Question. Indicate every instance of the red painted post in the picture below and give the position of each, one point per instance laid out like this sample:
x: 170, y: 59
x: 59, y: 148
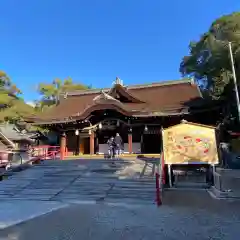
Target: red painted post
x: 130, y: 143
x: 158, y: 197
x: 91, y: 139
x: 62, y: 146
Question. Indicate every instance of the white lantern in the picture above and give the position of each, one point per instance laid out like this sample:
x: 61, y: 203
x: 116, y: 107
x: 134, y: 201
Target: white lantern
x: 146, y: 128
x: 77, y: 132
x: 100, y: 126
x: 90, y: 132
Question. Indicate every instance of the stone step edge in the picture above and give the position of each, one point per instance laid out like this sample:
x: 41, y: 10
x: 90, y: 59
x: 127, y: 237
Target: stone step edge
x: 221, y: 195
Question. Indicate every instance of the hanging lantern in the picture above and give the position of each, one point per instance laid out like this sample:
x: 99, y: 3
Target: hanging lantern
x: 146, y: 128
x: 100, y: 126
x: 77, y: 132
x: 118, y: 123
x: 90, y: 132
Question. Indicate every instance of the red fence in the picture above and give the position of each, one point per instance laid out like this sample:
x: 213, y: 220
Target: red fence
x: 45, y: 152
x: 42, y: 152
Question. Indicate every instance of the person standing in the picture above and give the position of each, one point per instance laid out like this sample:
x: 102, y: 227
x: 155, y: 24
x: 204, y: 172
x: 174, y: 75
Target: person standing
x: 118, y: 145
x: 111, y: 146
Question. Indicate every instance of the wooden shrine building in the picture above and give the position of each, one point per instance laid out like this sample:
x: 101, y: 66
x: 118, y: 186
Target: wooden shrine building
x: 85, y: 120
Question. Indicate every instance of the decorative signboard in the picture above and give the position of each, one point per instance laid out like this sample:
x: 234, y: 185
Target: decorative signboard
x: 188, y: 143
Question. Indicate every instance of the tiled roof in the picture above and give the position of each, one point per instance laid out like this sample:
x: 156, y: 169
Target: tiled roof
x: 172, y: 97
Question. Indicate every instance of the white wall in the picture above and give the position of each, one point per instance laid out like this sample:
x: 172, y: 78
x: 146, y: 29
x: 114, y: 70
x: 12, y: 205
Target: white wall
x: 136, y: 148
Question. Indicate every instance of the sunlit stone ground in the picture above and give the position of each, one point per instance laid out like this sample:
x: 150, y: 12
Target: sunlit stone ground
x: 193, y: 219
x: 183, y: 215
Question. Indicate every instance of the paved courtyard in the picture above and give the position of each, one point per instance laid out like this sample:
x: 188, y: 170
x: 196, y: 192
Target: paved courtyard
x: 126, y: 181
x: 93, y: 199
x: 101, y: 222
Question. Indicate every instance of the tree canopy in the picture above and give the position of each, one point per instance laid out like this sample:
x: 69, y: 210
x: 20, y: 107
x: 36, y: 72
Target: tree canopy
x: 12, y: 106
x: 50, y: 92
x: 209, y: 60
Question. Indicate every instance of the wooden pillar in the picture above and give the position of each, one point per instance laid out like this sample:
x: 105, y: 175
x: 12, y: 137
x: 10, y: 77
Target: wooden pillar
x: 91, y: 143
x: 63, y: 146
x: 78, y: 145
x: 82, y: 145
x: 130, y: 143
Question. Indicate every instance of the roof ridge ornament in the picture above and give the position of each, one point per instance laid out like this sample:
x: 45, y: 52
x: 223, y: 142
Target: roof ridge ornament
x: 118, y: 81
x: 105, y: 96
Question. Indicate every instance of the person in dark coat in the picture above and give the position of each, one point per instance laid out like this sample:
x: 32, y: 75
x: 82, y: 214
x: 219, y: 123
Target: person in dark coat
x: 111, y: 147
x: 118, y: 145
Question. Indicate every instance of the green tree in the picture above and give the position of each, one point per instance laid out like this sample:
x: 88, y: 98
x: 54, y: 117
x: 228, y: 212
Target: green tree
x: 8, y: 91
x: 50, y: 92
x: 208, y: 60
x: 12, y: 106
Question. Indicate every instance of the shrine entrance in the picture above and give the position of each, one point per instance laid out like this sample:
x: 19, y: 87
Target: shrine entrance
x: 91, y: 137
x: 109, y: 128
x: 151, y: 141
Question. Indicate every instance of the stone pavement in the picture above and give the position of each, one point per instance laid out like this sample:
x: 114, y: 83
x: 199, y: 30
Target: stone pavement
x: 214, y: 221
x: 82, y: 180
x: 12, y: 212
x: 55, y: 184
x: 118, y: 204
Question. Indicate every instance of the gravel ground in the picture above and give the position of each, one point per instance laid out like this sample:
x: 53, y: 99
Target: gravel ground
x: 196, y: 217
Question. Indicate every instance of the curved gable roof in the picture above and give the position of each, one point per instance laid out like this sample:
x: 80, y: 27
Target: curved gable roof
x: 118, y: 88
x: 152, y: 98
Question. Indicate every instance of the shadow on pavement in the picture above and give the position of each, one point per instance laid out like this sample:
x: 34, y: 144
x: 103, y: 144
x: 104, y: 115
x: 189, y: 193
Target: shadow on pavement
x: 198, y: 199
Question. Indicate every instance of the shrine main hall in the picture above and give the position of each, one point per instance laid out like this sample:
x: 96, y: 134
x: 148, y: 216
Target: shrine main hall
x: 85, y: 119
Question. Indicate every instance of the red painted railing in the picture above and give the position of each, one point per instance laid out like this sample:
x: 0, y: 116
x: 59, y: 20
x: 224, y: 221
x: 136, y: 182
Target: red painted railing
x: 45, y: 152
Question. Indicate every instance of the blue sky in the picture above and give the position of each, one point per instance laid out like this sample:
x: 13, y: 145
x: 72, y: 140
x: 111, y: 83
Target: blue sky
x: 93, y: 41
